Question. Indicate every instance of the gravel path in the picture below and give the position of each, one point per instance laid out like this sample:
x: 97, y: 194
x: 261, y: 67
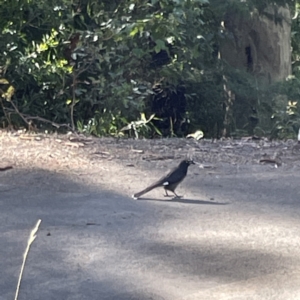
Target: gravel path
x: 234, y: 235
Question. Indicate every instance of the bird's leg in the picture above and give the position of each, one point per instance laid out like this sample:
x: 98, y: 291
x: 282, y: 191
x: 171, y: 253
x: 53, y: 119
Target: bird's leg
x: 167, y: 195
x: 176, y: 196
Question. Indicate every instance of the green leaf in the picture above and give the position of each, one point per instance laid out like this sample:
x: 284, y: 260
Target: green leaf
x: 160, y: 45
x: 134, y: 31
x: 3, y: 81
x: 143, y: 117
x: 9, y: 93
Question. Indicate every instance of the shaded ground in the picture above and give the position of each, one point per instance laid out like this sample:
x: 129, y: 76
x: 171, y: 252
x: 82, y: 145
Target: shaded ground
x: 235, y: 235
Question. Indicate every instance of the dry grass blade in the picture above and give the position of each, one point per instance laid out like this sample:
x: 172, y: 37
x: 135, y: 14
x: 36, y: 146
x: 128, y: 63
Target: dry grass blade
x: 29, y: 243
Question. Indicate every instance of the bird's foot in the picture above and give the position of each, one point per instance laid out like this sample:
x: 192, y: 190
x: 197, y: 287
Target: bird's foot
x: 168, y: 195
x: 177, y: 197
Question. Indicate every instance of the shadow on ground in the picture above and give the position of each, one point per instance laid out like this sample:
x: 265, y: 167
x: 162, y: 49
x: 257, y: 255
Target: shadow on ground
x: 184, y: 200
x: 98, y: 244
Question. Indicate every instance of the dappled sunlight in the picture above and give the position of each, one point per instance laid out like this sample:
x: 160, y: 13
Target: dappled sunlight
x: 171, y: 260
x: 229, y: 234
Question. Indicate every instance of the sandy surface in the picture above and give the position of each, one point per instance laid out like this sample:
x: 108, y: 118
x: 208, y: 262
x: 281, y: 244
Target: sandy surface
x: 234, y: 235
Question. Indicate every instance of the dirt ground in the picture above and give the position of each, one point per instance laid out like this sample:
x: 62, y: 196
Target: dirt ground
x: 234, y: 234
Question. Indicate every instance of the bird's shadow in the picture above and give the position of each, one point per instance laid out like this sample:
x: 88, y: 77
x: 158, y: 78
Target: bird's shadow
x: 185, y: 201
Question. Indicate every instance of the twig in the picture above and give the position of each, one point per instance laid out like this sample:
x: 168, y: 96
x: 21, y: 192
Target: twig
x: 18, y: 112
x: 47, y: 121
x: 28, y: 117
x: 6, y: 168
x: 29, y: 243
x: 4, y: 111
x: 73, y: 102
x: 74, y: 83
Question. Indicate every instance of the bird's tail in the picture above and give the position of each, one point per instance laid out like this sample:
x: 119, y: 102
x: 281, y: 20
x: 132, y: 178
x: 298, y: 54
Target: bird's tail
x: 146, y: 190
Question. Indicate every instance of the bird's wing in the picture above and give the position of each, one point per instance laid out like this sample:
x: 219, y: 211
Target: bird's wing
x: 174, y: 176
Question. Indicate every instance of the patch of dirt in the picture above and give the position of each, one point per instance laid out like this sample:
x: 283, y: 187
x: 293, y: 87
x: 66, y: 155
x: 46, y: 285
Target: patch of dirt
x: 107, y: 160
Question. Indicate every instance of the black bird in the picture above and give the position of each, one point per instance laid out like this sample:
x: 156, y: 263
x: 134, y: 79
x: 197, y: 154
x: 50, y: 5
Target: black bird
x: 170, y: 181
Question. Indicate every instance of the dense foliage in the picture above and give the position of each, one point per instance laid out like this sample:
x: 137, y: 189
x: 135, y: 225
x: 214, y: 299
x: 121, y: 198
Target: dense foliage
x: 142, y: 67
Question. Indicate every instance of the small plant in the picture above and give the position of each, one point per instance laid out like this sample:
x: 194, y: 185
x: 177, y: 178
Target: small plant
x: 286, y: 121
x: 142, y: 127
